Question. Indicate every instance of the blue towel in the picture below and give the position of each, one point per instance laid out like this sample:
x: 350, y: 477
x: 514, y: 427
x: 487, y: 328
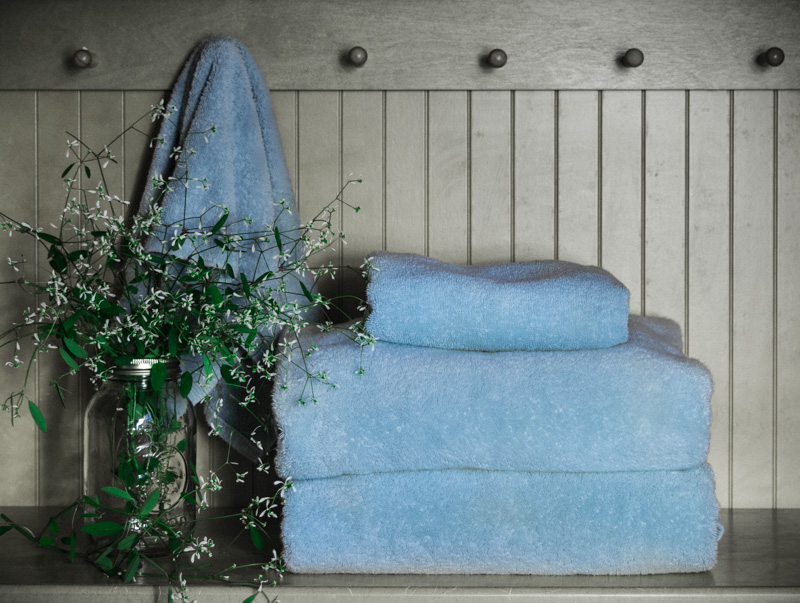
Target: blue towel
x: 491, y: 522
x: 545, y: 305
x: 641, y: 405
x: 222, y: 86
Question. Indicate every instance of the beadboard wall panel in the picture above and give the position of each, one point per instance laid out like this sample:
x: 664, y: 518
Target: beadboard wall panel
x: 18, y: 443
x: 787, y: 422
x: 709, y: 299
x: 578, y: 197
x: 405, y: 193
x: 449, y: 195
x: 690, y: 198
x: 621, y: 190
x: 753, y: 299
x: 534, y: 182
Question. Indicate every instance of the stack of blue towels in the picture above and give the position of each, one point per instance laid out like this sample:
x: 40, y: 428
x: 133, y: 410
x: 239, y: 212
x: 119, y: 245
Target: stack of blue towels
x: 511, y: 419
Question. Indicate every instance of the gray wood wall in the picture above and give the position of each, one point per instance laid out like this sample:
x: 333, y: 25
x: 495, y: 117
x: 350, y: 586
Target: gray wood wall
x: 681, y: 177
x: 691, y: 198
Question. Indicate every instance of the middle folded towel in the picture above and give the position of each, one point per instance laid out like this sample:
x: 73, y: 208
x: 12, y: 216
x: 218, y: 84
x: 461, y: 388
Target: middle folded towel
x: 641, y: 405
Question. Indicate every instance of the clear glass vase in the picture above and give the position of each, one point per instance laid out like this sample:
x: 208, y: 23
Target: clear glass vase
x: 139, y: 450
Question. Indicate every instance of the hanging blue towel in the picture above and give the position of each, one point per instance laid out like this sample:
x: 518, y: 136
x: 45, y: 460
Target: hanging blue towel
x: 222, y: 86
x: 544, y: 305
x: 641, y: 405
x: 493, y: 522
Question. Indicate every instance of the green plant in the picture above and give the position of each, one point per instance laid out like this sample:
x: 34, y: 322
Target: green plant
x: 111, y: 298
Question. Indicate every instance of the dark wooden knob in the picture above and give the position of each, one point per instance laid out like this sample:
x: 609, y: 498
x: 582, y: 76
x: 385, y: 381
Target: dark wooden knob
x: 82, y: 58
x: 773, y: 57
x: 358, y: 56
x: 497, y: 58
x: 633, y: 58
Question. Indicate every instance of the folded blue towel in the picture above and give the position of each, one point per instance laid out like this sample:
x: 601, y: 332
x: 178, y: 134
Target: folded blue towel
x: 545, y: 305
x: 491, y: 522
x: 641, y: 405
x: 222, y: 86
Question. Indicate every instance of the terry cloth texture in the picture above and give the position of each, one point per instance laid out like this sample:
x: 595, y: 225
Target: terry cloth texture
x: 222, y: 86
x: 486, y: 522
x: 543, y: 305
x: 641, y: 405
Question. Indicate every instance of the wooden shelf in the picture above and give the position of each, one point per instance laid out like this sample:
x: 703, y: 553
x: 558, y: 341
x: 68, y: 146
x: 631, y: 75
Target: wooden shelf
x: 759, y: 561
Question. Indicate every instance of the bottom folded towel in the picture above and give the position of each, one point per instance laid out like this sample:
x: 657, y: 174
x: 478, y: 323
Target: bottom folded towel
x: 490, y: 522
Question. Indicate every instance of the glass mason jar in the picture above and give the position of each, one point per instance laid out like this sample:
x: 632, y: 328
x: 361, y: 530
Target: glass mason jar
x: 139, y: 444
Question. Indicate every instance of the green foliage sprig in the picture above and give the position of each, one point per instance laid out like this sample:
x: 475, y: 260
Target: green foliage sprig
x: 110, y: 297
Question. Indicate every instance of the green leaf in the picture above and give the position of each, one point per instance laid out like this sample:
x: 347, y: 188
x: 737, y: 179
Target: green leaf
x: 102, y: 528
x: 57, y: 259
x: 46, y: 541
x: 220, y: 223
x: 123, y: 360
x: 229, y: 270
x: 77, y: 254
x: 37, y: 415
x: 172, y: 340
x: 258, y: 540
x: 251, y: 598
x: 4, y: 529
x: 48, y: 238
x: 186, y: 384
x: 133, y: 565
x: 88, y: 171
x: 227, y: 375
x: 69, y: 323
x: 67, y: 169
x: 278, y: 239
x: 158, y: 376
x: 52, y: 526
x: 75, y: 349
x: 207, y: 366
x: 181, y: 446
x: 215, y: 294
x: 68, y: 359
x: 127, y: 542
x: 150, y: 503
x: 306, y: 292
x: 92, y: 502
x: 119, y: 493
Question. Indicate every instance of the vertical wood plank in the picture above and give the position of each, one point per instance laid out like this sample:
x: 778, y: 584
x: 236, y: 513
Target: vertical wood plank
x: 753, y: 299
x: 534, y: 175
x: 284, y: 102
x: 406, y: 180
x: 788, y: 331
x: 18, y: 443
x: 319, y: 168
x: 665, y: 206
x: 362, y: 156
x: 577, y: 176
x: 60, y: 454
x: 490, y: 177
x: 137, y: 150
x: 709, y: 264
x: 621, y: 236
x: 448, y: 211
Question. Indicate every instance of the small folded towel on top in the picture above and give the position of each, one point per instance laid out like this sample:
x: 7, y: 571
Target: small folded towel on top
x: 487, y: 522
x: 543, y: 305
x: 641, y: 405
